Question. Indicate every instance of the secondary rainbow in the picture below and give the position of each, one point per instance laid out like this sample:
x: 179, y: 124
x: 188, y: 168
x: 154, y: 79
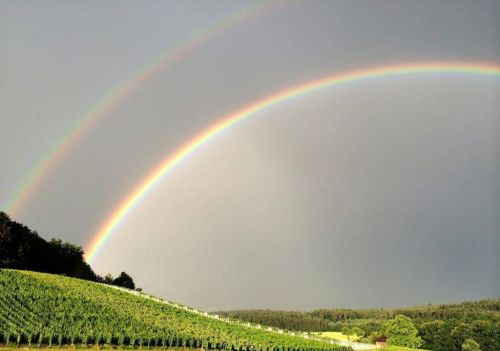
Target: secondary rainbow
x: 50, y: 159
x: 118, y: 215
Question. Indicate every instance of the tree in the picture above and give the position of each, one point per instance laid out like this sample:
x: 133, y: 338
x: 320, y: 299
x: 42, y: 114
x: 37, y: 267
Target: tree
x: 108, y: 279
x: 6, y: 239
x: 460, y: 333
x: 429, y: 332
x: 357, y: 332
x: 485, y: 334
x: 436, y: 335
x: 401, y: 331
x: 347, y: 332
x: 124, y: 280
x: 23, y: 248
x: 470, y: 345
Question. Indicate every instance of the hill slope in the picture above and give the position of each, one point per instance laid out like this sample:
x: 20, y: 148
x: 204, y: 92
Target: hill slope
x: 48, y: 309
x: 23, y: 248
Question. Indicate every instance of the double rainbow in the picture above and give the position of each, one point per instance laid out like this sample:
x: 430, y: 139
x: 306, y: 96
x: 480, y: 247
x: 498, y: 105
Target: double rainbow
x: 167, y: 165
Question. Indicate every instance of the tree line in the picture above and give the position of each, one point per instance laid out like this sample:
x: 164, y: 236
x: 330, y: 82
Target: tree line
x: 439, y: 326
x: 23, y: 248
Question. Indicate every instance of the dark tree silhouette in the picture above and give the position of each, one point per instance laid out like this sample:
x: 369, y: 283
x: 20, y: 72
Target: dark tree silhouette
x: 23, y: 248
x: 124, y: 280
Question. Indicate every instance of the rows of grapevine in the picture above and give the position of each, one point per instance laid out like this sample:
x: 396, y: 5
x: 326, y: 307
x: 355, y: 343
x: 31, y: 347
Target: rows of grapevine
x: 51, y: 310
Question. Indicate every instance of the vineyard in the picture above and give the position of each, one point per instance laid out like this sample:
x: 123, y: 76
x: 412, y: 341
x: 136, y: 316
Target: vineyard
x: 38, y: 309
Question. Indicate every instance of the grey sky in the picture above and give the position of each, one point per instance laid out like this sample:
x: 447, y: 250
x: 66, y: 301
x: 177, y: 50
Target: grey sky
x: 379, y: 193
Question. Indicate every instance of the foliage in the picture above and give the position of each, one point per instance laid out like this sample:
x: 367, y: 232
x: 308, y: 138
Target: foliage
x: 353, y: 334
x: 22, y: 248
x: 479, y: 320
x: 370, y: 320
x: 470, y: 345
x: 124, y: 280
x: 108, y: 279
x: 372, y: 337
x: 358, y: 332
x: 436, y: 335
x: 46, y: 309
x: 485, y: 333
x: 347, y: 332
x: 401, y: 331
x: 290, y: 320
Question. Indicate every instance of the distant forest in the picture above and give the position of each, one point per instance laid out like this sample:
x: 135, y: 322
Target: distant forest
x: 441, y: 327
x: 336, y: 318
x: 23, y: 248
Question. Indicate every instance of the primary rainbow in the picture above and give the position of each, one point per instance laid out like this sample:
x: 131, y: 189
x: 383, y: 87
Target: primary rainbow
x: 118, y: 215
x: 47, y: 162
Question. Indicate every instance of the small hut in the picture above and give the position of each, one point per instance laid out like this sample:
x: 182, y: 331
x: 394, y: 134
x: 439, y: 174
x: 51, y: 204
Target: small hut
x: 381, y: 341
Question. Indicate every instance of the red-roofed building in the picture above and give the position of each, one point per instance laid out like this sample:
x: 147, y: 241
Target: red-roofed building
x: 381, y: 341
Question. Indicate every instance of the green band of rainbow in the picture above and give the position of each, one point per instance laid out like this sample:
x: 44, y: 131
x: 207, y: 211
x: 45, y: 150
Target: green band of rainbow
x: 119, y: 94
x: 118, y: 215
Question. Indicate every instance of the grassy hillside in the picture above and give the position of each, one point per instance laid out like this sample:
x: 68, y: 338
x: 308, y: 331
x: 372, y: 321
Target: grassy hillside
x: 334, y: 336
x: 398, y: 348
x: 46, y: 309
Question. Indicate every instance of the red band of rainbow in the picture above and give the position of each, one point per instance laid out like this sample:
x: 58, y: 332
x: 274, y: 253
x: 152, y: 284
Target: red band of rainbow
x: 107, y: 228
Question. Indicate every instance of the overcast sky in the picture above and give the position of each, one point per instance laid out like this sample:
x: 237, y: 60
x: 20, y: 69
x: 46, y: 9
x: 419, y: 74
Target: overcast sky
x: 377, y: 193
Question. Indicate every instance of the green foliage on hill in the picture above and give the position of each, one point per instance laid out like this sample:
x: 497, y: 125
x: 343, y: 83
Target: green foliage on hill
x: 46, y: 309
x: 370, y: 319
x: 290, y: 320
x: 470, y: 345
x: 401, y: 331
x: 441, y: 327
x: 23, y: 248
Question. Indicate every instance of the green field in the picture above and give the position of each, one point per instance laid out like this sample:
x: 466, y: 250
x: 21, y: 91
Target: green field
x: 399, y: 348
x: 99, y: 348
x: 92, y: 348
x: 40, y: 309
x: 104, y: 348
x: 334, y: 336
x: 342, y: 337
x: 88, y: 348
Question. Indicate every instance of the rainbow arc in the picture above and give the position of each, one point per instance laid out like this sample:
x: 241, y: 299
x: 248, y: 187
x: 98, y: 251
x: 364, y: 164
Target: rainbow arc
x: 108, y: 227
x: 121, y: 93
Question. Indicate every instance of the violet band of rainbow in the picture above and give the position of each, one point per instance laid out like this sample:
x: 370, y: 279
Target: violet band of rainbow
x: 42, y: 168
x: 108, y: 227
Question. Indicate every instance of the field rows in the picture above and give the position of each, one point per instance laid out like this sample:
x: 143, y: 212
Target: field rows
x: 44, y: 309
